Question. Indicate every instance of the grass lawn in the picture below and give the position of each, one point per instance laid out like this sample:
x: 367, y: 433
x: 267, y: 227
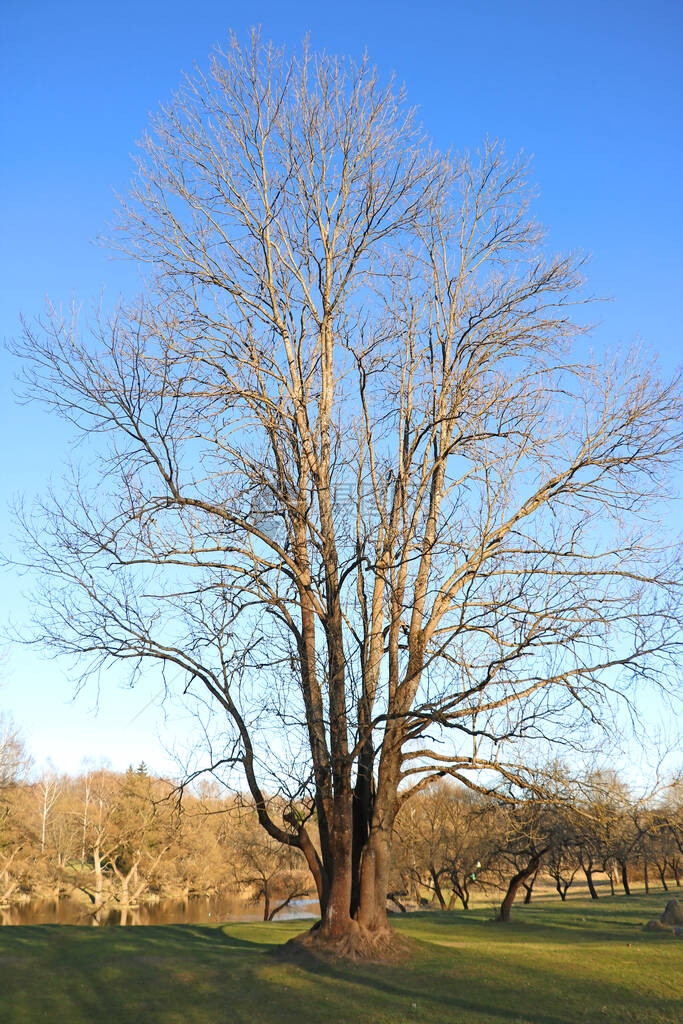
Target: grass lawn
x: 554, y: 964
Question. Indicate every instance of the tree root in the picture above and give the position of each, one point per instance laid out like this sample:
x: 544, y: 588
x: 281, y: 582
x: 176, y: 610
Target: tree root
x: 356, y: 944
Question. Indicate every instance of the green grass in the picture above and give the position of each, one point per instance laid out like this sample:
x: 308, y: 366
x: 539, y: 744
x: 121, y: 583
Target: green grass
x: 554, y: 964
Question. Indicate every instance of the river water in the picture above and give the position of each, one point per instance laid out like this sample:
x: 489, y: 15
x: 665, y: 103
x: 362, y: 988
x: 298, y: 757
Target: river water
x: 207, y: 910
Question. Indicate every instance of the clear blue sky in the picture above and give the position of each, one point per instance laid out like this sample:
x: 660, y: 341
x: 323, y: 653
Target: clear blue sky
x: 594, y: 91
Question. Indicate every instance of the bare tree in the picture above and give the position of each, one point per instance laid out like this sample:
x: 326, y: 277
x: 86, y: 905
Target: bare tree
x: 47, y: 792
x: 672, y: 817
x: 14, y: 759
x: 443, y: 843
x: 354, y: 486
x: 269, y: 870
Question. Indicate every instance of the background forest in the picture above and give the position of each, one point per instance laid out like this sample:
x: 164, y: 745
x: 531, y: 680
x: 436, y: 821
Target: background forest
x: 117, y: 841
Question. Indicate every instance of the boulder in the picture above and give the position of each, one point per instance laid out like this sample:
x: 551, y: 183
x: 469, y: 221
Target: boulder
x: 673, y: 913
x: 657, y: 926
x: 679, y: 931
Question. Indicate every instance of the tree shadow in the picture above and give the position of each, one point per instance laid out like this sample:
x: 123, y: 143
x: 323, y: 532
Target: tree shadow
x: 196, y: 974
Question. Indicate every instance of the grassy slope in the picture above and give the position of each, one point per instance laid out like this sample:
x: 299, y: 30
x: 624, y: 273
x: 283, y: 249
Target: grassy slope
x: 554, y: 964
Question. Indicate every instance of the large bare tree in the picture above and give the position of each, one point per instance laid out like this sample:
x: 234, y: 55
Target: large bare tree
x: 345, y: 476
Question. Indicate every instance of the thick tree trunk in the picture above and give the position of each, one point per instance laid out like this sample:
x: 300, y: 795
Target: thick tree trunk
x: 515, y: 882
x: 354, y: 921
x: 362, y: 814
x: 336, y: 919
x: 366, y: 932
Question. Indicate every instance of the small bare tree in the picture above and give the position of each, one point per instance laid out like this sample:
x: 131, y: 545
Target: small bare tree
x: 266, y: 869
x: 354, y: 486
x: 14, y: 759
x: 47, y: 791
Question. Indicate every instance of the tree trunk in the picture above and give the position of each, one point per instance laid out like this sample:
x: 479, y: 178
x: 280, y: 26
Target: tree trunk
x: 285, y: 903
x: 336, y: 919
x: 662, y: 875
x: 99, y: 886
x: 394, y: 897
x: 646, y: 879
x: 624, y: 877
x: 362, y: 815
x: 529, y: 888
x: 609, y: 870
x: 515, y: 882
x: 354, y: 921
x: 368, y: 932
x: 588, y: 872
x: 315, y: 866
x: 437, y: 888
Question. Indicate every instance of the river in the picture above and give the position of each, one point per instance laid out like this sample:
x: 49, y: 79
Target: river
x: 207, y: 910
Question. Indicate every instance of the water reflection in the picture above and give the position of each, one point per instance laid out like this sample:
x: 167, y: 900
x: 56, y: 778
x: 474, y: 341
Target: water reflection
x: 207, y: 910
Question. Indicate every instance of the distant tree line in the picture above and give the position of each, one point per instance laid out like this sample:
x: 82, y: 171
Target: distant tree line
x: 116, y: 840
x: 452, y: 841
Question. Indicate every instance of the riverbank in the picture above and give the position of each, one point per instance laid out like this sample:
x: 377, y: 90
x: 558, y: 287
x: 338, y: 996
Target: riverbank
x: 554, y: 964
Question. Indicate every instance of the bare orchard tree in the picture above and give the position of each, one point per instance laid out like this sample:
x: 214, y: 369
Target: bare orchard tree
x: 353, y: 486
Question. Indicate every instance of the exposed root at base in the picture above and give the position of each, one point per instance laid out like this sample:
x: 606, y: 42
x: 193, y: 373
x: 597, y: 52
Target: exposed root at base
x: 357, y: 945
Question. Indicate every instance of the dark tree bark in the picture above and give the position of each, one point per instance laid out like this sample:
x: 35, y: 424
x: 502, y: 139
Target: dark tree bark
x: 285, y: 903
x: 562, y: 888
x: 624, y: 876
x: 461, y: 891
x: 588, y: 872
x: 515, y: 882
x: 608, y: 868
x: 529, y: 887
x: 436, y: 883
x: 394, y: 898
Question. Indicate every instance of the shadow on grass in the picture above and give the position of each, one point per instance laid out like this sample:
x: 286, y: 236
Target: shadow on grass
x: 500, y: 982
x: 467, y: 971
x: 608, y: 920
